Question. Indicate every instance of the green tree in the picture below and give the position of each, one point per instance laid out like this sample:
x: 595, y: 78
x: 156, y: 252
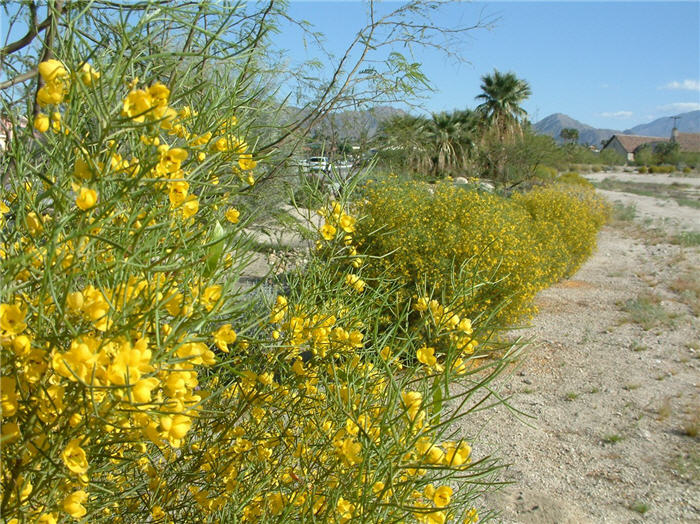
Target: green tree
x: 569, y: 134
x: 502, y: 96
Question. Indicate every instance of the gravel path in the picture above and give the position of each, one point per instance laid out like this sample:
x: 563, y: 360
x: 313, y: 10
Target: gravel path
x: 612, y: 379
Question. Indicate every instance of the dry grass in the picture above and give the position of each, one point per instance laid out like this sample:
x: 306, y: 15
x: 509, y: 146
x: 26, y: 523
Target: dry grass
x: 687, y: 288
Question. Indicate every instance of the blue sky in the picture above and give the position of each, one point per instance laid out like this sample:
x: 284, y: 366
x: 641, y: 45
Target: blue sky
x: 607, y: 64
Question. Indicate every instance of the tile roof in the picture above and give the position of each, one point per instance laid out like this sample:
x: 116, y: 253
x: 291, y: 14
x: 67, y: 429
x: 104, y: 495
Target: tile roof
x: 689, y: 142
x: 632, y: 142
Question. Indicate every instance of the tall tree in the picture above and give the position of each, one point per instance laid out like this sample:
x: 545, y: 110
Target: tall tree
x: 569, y: 134
x: 502, y: 96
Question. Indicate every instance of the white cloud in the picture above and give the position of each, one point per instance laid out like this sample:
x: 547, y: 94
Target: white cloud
x: 686, y: 85
x: 618, y: 114
x: 680, y: 107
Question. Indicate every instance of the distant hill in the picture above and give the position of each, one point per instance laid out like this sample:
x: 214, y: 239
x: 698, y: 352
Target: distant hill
x: 687, y: 123
x: 356, y: 124
x: 553, y: 124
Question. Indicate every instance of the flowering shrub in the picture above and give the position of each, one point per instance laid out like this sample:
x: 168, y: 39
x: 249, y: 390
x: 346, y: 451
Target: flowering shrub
x: 573, y: 178
x: 139, y: 383
x: 506, y: 249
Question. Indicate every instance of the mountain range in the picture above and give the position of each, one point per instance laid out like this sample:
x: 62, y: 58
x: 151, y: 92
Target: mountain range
x: 661, y: 127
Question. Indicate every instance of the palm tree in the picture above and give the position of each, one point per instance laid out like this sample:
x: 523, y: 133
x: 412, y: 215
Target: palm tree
x: 502, y: 95
x: 450, y: 136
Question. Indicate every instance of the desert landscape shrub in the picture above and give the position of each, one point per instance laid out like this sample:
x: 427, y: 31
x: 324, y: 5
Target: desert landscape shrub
x: 505, y: 249
x: 665, y: 169
x: 544, y: 173
x: 575, y: 179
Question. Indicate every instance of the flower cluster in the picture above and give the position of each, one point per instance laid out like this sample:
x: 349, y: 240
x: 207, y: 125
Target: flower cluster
x: 505, y: 250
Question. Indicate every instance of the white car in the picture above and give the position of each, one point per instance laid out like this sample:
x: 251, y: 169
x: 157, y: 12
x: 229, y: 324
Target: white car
x: 318, y: 163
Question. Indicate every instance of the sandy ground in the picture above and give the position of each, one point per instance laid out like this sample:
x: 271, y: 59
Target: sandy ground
x: 612, y: 379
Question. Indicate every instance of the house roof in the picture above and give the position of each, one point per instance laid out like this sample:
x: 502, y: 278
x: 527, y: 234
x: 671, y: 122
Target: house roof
x: 689, y: 142
x: 632, y: 142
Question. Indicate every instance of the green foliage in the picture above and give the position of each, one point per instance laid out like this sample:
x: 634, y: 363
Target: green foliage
x: 544, y: 173
x: 659, y: 169
x: 569, y: 134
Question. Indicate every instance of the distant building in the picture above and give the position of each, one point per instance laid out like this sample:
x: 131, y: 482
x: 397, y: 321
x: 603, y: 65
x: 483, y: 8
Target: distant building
x: 627, y: 145
x: 6, y: 128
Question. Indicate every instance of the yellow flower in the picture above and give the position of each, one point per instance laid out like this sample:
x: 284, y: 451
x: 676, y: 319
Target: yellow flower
x: 87, y: 198
x: 75, y: 301
x: 421, y: 304
x: 52, y: 70
x: 246, y: 162
x: 442, y: 496
x: 224, y: 336
x: 174, y: 428
x: 472, y: 517
x: 211, y: 295
x: 426, y: 355
x: 190, y: 206
x: 232, y: 215
x: 12, y: 319
x: 74, y: 457
x: 141, y: 391
x: 347, y: 223
x: 41, y: 123
x: 137, y: 104
x: 344, y: 510
x: 328, y: 231
x: 355, y: 282
x: 50, y: 94
x: 8, y: 396
x: 171, y: 158
x: 10, y: 432
x: 88, y: 75
x: 73, y: 504
x: 457, y: 455
x: 47, y: 518
x: 412, y: 401
x: 34, y: 223
x: 177, y: 192
x: 430, y: 452
x: 349, y: 450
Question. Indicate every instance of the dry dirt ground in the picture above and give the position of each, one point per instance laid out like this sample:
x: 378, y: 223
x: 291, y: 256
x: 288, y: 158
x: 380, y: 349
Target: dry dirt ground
x: 611, y: 379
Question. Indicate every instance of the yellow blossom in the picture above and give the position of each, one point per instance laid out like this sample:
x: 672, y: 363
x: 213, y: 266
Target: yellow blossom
x: 190, y: 206
x: 347, y: 223
x: 41, y: 123
x: 12, y: 319
x: 74, y: 457
x: 246, y: 162
x: 232, y: 215
x: 73, y: 504
x: 224, y: 336
x: 88, y: 75
x: 328, y: 231
x: 86, y: 199
x: 442, y: 496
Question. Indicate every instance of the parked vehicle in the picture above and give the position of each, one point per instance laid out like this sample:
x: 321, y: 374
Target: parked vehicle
x: 318, y: 163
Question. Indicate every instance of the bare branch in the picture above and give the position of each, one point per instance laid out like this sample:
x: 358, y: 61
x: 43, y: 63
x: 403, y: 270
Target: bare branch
x: 18, y: 79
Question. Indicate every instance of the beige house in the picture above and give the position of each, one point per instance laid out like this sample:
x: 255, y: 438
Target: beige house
x: 627, y: 145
